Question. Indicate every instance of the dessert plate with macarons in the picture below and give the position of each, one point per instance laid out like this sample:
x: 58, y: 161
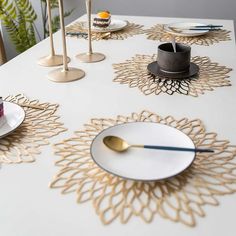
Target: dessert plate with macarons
x: 11, y: 117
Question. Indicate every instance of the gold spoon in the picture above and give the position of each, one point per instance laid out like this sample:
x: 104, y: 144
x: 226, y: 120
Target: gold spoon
x: 104, y: 35
x: 176, y: 30
x: 119, y: 145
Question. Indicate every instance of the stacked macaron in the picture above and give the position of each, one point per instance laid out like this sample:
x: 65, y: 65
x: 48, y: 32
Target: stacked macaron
x: 102, y: 19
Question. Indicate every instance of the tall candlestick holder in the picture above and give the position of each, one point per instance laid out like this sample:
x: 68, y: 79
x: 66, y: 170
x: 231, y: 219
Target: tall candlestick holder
x: 65, y: 74
x: 52, y: 59
x: 90, y: 56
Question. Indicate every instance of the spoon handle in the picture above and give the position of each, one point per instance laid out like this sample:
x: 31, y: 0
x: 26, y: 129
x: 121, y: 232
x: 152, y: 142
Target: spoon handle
x: 182, y: 149
x: 173, y: 43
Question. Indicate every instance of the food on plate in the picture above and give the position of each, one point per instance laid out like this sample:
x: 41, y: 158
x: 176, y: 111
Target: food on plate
x: 102, y: 19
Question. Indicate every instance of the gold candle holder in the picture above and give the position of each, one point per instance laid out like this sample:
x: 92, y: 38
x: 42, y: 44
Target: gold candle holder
x: 65, y: 74
x: 52, y: 59
x: 90, y: 56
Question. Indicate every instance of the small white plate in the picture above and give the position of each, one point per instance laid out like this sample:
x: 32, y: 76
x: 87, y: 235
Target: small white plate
x: 184, y: 26
x: 143, y: 164
x: 115, y: 25
x: 13, y: 118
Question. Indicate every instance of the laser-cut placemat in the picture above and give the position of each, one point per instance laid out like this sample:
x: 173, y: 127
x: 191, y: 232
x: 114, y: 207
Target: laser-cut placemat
x: 158, y: 33
x: 39, y: 125
x: 134, y: 73
x: 132, y: 29
x: 179, y: 199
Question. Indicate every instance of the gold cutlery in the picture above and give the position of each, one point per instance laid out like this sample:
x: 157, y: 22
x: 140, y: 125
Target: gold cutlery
x: 106, y: 35
x: 103, y: 36
x: 176, y: 30
x: 119, y: 145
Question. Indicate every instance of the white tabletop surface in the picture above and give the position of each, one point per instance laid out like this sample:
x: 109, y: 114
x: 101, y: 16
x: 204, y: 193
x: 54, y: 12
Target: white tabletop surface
x: 29, y: 208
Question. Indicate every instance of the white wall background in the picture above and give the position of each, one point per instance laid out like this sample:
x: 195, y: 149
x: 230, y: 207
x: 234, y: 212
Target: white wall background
x: 173, y: 8
x: 217, y: 9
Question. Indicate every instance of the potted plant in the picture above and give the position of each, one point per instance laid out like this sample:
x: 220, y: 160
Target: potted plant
x: 19, y: 17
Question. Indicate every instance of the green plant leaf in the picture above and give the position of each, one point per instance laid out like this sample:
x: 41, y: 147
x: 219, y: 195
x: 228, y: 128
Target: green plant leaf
x: 7, y: 9
x: 53, y: 3
x: 18, y: 17
x: 27, y: 10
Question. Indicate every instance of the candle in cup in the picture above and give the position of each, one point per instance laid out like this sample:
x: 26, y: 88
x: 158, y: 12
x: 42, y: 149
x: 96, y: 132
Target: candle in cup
x: 174, y: 62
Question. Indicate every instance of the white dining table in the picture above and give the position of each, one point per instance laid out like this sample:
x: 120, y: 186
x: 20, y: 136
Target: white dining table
x: 28, y: 207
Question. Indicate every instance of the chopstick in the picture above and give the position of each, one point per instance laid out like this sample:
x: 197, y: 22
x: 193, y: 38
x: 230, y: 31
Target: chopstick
x: 210, y: 29
x: 77, y: 33
x: 208, y: 26
x: 179, y: 30
x: 199, y: 26
x: 85, y: 35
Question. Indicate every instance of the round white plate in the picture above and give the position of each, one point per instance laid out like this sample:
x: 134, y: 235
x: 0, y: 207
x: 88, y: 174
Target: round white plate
x: 143, y: 164
x: 115, y: 25
x: 184, y: 26
x: 13, y: 118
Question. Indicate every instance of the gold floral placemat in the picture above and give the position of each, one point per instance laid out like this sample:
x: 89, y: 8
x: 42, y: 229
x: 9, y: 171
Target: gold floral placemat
x: 129, y: 31
x: 39, y: 125
x: 158, y: 33
x: 179, y: 199
x: 134, y: 73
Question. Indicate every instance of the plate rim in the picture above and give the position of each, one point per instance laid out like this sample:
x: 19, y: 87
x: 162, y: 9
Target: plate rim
x: 8, y: 133
x: 133, y: 179
x: 184, y: 34
x: 105, y: 30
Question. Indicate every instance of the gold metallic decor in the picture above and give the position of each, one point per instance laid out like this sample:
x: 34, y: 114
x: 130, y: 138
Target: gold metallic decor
x: 132, y: 29
x: 158, y: 33
x: 64, y: 74
x: 179, y: 199
x: 134, y: 73
x: 52, y: 59
x: 39, y: 125
x: 90, y: 56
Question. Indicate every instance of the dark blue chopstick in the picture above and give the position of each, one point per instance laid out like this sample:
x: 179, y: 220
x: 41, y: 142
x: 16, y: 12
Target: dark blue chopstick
x: 208, y: 26
x: 210, y: 29
x: 77, y: 34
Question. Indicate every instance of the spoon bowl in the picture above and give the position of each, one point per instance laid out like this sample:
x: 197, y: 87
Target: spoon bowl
x: 115, y: 143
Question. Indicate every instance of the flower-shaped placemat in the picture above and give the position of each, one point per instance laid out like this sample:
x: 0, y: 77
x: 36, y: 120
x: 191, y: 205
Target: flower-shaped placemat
x: 180, y: 199
x: 39, y: 125
x: 129, y: 31
x: 158, y: 33
x: 134, y: 73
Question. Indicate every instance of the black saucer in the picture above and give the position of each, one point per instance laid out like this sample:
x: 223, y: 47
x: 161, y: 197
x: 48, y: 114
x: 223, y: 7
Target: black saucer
x: 154, y: 69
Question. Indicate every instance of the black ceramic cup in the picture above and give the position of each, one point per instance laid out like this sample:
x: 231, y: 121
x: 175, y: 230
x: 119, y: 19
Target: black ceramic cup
x: 174, y: 62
